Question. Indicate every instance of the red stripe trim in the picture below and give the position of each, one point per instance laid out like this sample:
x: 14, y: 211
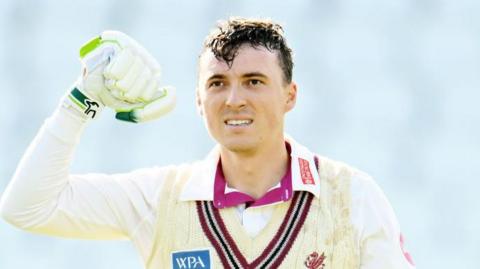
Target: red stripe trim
x: 279, y: 233
x: 288, y: 232
x: 287, y: 240
x: 233, y: 247
x: 281, y: 256
x: 227, y: 250
x: 288, y: 236
x: 210, y: 236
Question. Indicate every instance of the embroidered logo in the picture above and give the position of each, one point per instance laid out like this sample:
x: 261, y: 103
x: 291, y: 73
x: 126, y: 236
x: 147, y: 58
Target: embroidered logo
x: 314, y: 261
x: 307, y: 177
x: 191, y: 259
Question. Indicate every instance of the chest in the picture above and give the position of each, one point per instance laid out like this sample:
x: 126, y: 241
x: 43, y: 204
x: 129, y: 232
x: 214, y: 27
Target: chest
x: 297, y: 234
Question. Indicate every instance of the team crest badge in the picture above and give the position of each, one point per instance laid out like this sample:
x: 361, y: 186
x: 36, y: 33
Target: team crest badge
x: 191, y: 259
x: 315, y: 261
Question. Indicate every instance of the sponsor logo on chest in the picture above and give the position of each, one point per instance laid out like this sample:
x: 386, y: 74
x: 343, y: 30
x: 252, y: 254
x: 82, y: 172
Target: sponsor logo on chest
x: 191, y: 259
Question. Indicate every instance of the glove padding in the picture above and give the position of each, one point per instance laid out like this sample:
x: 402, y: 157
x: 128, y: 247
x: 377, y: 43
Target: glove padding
x: 120, y: 74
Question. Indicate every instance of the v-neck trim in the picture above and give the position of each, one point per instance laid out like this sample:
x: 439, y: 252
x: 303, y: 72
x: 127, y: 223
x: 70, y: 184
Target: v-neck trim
x: 240, y: 235
x: 276, y: 249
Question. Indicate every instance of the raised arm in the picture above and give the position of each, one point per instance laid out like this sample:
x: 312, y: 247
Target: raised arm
x: 44, y: 197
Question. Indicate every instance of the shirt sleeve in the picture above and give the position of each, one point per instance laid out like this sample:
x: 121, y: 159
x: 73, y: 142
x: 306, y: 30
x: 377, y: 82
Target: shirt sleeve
x: 379, y: 236
x: 43, y: 196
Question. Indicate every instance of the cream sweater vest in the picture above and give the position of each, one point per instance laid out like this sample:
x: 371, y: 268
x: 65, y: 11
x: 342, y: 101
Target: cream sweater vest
x: 324, y: 240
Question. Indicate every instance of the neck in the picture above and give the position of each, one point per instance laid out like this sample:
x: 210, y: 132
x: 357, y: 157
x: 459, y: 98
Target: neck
x: 254, y: 173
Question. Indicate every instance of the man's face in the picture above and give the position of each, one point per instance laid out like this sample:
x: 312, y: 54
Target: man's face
x: 244, y: 105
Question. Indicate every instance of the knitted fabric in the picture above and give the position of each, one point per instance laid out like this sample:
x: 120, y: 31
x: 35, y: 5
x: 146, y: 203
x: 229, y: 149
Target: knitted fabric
x: 323, y: 237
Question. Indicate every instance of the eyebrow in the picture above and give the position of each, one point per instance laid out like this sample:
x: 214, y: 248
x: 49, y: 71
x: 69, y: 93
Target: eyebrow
x: 216, y: 76
x: 247, y: 75
x: 255, y: 74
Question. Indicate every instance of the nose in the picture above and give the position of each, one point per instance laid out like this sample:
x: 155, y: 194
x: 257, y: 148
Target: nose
x: 235, y: 98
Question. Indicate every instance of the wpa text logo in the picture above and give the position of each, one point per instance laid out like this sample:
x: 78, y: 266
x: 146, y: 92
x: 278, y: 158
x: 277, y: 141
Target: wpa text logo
x: 192, y: 259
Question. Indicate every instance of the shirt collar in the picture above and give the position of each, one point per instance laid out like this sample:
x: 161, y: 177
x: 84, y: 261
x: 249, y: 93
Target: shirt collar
x: 227, y: 197
x: 304, y: 176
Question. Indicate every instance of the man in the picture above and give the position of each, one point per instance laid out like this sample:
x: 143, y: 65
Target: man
x: 258, y: 200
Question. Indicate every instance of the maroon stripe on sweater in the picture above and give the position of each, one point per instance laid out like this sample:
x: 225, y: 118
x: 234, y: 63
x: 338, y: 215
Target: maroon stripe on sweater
x: 228, y: 238
x: 281, y: 256
x: 282, y: 242
x: 220, y: 235
x: 282, y: 250
x: 210, y: 236
x: 277, y: 235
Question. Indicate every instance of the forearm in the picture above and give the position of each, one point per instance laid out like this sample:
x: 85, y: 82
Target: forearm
x: 43, y: 171
x: 43, y: 197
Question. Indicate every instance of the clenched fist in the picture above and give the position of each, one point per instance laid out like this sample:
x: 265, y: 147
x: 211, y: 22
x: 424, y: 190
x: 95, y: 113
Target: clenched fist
x: 119, y: 73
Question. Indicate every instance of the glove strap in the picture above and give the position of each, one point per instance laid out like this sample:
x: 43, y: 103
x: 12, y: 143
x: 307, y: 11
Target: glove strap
x: 88, y: 106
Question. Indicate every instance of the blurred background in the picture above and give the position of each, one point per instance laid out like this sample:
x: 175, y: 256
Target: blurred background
x: 391, y: 87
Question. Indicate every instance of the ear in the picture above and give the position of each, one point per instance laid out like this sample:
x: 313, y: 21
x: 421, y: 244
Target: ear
x: 198, y: 102
x: 291, y: 96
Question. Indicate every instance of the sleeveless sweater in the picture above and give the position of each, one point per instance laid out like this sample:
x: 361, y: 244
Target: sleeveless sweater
x: 304, y: 232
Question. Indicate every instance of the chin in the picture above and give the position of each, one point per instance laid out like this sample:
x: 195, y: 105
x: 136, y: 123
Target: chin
x: 240, y: 146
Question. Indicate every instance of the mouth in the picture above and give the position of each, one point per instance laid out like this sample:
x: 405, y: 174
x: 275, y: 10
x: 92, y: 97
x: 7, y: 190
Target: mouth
x: 236, y: 123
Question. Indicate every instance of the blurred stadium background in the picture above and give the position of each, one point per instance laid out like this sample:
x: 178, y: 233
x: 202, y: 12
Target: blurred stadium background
x: 391, y: 87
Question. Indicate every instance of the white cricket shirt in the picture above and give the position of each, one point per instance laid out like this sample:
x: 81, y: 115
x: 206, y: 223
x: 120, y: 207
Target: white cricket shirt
x: 43, y: 197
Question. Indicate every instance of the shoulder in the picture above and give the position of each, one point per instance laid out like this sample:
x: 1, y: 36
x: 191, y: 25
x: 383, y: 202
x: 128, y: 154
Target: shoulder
x: 358, y: 188
x: 375, y: 225
x: 334, y: 170
x: 363, y: 189
x: 370, y: 209
x: 150, y: 181
x: 190, y: 176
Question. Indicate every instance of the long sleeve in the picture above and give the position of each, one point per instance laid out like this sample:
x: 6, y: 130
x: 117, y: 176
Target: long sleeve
x: 43, y: 196
x: 380, y: 238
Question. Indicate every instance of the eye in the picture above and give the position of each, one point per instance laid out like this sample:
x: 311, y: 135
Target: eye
x: 255, y: 82
x: 216, y: 84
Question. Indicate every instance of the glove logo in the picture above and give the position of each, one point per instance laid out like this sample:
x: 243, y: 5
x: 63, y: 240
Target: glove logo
x: 91, y: 107
x: 87, y: 105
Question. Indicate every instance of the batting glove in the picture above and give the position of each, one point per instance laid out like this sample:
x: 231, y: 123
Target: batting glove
x: 119, y: 73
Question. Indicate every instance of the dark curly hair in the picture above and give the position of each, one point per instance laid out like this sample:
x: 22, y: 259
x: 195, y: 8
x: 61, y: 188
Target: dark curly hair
x: 225, y: 40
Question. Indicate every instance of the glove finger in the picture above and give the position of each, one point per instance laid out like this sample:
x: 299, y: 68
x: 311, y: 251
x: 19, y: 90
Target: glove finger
x: 111, y: 85
x: 153, y: 110
x: 119, y: 65
x: 126, y: 83
x: 117, y: 104
x: 94, y: 82
x: 150, y: 90
x: 139, y: 86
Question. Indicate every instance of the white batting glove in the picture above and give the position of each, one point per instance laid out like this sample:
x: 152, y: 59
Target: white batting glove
x: 119, y: 73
